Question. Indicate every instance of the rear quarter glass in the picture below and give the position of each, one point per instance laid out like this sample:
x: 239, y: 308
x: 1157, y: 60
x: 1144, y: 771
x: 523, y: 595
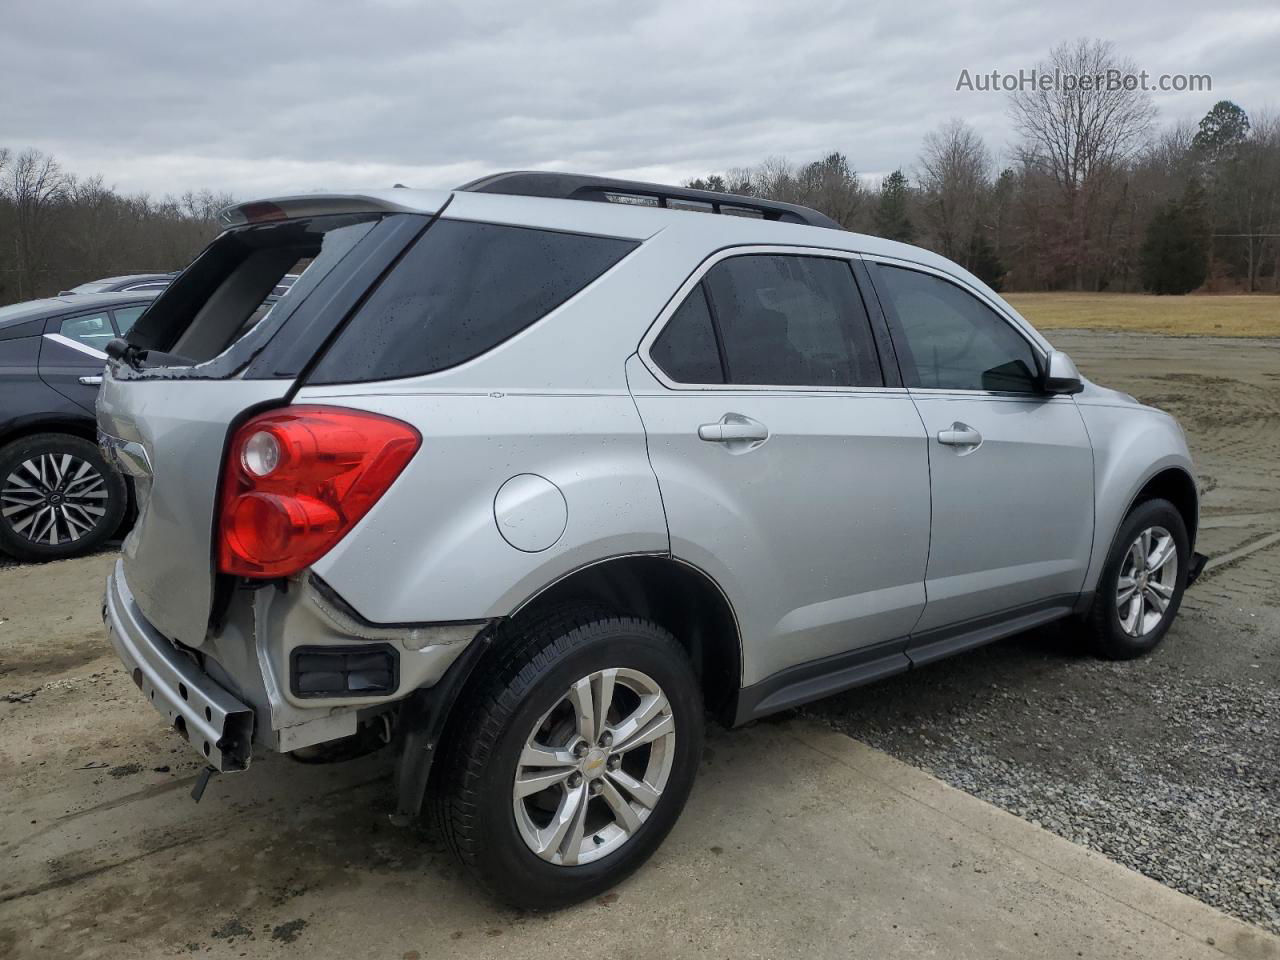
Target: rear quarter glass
x: 461, y: 290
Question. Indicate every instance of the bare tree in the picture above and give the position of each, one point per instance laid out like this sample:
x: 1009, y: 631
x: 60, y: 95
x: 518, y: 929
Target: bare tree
x: 1249, y: 192
x: 1081, y: 131
x: 955, y: 173
x: 57, y: 230
x: 830, y: 185
x: 33, y: 183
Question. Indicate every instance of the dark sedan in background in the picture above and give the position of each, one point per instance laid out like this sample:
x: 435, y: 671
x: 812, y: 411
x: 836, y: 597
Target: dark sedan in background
x: 58, y: 496
x: 129, y: 283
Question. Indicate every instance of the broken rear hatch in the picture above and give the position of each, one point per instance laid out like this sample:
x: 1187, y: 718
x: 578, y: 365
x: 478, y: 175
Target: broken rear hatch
x: 211, y: 351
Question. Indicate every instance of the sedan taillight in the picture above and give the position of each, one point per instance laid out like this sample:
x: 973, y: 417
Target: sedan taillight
x: 297, y: 480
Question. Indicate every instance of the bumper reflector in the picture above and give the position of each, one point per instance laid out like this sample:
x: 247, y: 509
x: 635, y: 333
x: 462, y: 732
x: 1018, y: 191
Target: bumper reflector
x: 366, y: 670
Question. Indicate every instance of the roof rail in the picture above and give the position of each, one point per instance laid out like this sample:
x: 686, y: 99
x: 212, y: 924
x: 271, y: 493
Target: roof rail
x: 575, y: 186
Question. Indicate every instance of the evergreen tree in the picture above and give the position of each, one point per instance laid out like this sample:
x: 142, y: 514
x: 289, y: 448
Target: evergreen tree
x: 713, y: 182
x: 1222, y: 129
x: 1175, y: 253
x: 892, y: 220
x: 985, y: 263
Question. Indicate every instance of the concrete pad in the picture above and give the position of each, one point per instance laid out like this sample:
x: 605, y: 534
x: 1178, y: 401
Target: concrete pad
x: 797, y: 842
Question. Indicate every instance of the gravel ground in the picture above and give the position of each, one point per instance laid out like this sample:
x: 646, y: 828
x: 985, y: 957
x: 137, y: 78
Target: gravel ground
x: 1170, y: 764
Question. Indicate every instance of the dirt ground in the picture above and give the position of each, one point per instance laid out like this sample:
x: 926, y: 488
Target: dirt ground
x: 1170, y: 764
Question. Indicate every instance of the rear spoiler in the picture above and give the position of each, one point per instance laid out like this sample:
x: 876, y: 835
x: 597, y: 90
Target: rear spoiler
x: 325, y: 204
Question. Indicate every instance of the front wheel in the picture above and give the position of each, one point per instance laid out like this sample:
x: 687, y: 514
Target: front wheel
x: 571, y: 761
x: 1141, y: 586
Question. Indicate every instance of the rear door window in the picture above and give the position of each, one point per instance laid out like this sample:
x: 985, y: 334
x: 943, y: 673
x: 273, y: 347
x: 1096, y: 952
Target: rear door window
x: 775, y: 320
x: 91, y: 330
x: 460, y: 291
x: 686, y: 350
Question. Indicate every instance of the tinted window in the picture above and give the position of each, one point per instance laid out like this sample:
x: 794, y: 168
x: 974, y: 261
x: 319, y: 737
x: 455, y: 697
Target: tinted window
x: 125, y: 317
x: 461, y: 290
x: 93, y: 330
x: 954, y: 341
x: 792, y: 321
x: 686, y: 349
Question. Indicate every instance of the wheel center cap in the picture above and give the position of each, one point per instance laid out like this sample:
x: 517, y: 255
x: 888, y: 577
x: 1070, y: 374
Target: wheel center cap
x: 593, y: 764
x: 55, y: 498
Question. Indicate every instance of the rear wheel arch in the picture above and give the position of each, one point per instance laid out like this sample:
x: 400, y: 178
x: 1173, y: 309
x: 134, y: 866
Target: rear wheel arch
x: 677, y: 596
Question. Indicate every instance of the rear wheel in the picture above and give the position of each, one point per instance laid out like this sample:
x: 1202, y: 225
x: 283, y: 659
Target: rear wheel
x: 571, y: 761
x: 58, y: 497
x: 1141, y: 586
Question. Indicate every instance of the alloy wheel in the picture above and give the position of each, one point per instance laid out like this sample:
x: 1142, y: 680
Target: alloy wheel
x: 1147, y: 581
x: 54, y: 498
x: 594, y: 767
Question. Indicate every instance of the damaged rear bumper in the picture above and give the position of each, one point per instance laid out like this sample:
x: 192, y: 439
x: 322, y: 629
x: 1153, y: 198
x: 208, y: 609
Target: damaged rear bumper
x: 212, y: 720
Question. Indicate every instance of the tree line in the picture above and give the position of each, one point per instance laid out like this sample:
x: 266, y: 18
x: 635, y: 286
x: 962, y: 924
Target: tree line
x: 1093, y: 197
x: 58, y: 230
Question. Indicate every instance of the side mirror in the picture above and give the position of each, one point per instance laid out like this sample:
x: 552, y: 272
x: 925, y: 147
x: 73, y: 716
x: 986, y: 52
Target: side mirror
x: 1061, y: 375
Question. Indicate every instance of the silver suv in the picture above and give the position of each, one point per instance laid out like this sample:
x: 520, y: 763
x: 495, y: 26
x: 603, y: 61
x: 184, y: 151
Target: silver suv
x: 523, y: 483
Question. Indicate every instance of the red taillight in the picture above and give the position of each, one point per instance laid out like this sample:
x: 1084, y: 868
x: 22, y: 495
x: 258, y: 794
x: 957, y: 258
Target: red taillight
x: 297, y: 480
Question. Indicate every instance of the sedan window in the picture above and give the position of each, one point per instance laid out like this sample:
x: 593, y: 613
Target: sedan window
x: 93, y: 330
x: 125, y: 317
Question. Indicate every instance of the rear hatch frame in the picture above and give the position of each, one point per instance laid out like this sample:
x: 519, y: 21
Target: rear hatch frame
x: 182, y: 413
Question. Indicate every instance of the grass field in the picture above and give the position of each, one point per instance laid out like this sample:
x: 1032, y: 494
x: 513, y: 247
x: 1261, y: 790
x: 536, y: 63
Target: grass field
x: 1193, y: 316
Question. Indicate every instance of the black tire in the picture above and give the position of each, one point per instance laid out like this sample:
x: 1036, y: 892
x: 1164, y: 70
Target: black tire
x: 18, y: 542
x: 1108, y: 637
x: 534, y: 666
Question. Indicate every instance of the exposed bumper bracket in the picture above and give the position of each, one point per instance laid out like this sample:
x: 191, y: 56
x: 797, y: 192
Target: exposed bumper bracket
x: 210, y: 718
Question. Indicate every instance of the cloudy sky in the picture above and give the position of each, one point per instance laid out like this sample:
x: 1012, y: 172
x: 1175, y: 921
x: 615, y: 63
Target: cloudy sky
x: 268, y: 96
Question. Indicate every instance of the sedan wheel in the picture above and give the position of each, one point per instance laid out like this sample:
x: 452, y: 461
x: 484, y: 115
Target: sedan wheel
x: 54, y: 498
x: 58, y: 497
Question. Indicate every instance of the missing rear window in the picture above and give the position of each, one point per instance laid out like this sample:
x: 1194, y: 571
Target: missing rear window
x: 236, y: 285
